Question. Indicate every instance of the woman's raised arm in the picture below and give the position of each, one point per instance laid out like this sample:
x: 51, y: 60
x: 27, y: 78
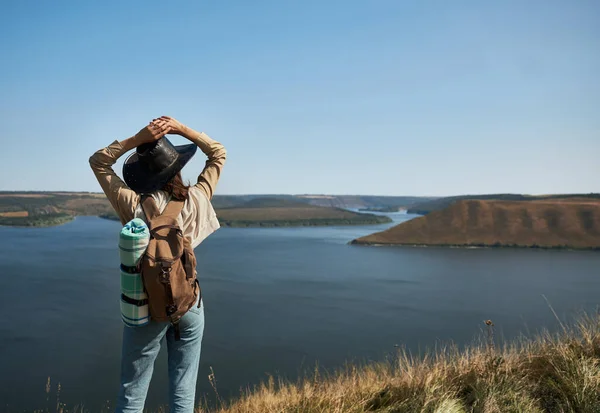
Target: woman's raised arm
x: 121, y: 197
x: 216, y: 153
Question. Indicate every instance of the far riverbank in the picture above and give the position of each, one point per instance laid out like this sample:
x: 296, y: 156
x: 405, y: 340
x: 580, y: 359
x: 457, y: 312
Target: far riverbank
x: 360, y: 219
x: 39, y: 221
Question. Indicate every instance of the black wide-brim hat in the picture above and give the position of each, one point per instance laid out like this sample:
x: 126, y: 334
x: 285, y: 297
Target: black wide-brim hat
x: 154, y: 164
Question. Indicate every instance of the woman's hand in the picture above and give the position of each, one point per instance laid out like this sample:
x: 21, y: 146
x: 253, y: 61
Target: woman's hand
x: 173, y: 125
x: 153, y: 132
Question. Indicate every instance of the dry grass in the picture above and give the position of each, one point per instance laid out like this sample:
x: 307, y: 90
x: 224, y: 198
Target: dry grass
x: 13, y: 214
x: 550, y: 373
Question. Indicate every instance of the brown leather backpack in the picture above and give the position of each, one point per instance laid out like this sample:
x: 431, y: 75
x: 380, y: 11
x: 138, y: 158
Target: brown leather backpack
x: 169, y: 265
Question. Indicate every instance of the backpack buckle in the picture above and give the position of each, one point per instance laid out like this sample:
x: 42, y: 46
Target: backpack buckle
x: 171, y: 309
x: 165, y: 273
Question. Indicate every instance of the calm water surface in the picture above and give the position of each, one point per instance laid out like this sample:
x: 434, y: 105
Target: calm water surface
x: 277, y: 300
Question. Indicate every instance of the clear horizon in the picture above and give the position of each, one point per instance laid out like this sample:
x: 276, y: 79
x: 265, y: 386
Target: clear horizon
x: 333, y: 194
x: 385, y: 98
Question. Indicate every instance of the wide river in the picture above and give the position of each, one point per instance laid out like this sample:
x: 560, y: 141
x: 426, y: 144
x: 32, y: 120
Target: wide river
x: 277, y: 302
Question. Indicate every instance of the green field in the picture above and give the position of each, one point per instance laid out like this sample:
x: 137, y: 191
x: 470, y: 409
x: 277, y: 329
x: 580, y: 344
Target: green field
x: 49, y: 208
x: 46, y: 220
x: 294, y: 215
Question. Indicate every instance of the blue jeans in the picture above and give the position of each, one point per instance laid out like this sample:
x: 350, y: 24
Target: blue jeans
x: 140, y: 348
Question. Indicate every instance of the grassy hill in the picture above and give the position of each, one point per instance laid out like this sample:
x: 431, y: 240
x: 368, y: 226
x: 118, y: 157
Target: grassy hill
x: 230, y: 201
x: 547, y: 223
x: 49, y: 208
x: 545, y: 374
x: 271, y: 212
x: 272, y: 202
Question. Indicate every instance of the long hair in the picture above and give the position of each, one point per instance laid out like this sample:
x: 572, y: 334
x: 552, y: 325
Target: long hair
x: 176, y: 188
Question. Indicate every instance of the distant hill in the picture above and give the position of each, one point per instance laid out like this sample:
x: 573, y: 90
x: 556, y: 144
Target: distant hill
x: 363, y: 201
x: 270, y: 202
x: 49, y: 208
x: 427, y: 206
x: 334, y: 201
x: 231, y: 201
x: 548, y: 223
x: 271, y: 212
x: 24, y: 200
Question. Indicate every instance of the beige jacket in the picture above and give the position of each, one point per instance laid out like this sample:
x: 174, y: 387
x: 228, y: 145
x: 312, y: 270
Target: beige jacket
x: 197, y: 219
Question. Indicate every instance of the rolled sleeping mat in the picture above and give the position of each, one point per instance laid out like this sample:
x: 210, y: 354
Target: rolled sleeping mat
x: 133, y: 241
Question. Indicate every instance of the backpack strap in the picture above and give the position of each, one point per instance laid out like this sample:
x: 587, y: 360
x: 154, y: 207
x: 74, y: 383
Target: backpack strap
x: 149, y: 207
x: 173, y: 209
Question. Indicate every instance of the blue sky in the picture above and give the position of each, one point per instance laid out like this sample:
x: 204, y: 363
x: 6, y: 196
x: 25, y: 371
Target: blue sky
x: 343, y: 97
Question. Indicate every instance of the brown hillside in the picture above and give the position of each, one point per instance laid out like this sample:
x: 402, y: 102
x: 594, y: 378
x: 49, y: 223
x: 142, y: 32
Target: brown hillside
x: 572, y: 223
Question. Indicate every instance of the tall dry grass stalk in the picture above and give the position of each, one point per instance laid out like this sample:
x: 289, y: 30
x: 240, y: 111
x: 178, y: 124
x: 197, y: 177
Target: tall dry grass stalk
x: 549, y: 373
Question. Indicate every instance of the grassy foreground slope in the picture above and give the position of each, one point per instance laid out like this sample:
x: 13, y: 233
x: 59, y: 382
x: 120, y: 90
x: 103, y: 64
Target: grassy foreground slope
x: 549, y: 373
x: 556, y: 223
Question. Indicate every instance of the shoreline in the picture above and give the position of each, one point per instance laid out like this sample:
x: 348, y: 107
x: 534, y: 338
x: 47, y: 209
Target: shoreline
x: 42, y: 225
x: 478, y: 246
x: 326, y: 222
x: 231, y: 224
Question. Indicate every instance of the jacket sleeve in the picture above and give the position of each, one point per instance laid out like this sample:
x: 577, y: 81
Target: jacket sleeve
x: 123, y: 199
x: 216, y: 153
